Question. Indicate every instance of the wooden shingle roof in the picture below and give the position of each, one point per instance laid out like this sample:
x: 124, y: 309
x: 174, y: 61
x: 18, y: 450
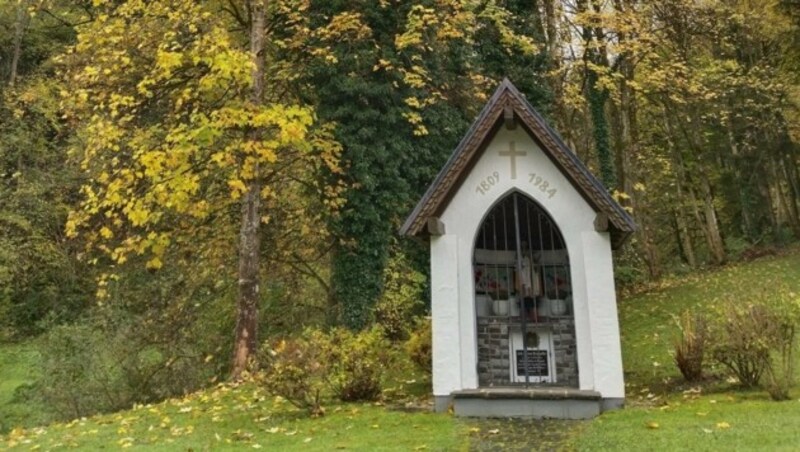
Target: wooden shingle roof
x: 505, y: 102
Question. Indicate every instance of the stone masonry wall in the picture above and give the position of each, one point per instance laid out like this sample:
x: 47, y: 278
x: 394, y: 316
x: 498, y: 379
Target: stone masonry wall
x: 493, y: 350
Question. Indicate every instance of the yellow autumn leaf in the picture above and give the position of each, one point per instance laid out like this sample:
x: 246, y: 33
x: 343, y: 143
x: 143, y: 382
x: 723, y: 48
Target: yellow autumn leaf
x: 154, y: 263
x: 653, y: 425
x: 106, y: 233
x: 723, y: 425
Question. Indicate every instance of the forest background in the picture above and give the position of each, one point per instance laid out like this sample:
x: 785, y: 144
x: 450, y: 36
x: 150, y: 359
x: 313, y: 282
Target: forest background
x: 183, y: 179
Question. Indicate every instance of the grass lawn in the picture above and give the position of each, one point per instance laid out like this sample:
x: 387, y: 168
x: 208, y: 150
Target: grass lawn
x: 228, y: 418
x: 662, y: 414
x: 712, y: 422
x: 647, y: 320
x: 17, y: 369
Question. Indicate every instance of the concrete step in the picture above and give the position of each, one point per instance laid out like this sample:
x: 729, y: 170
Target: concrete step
x: 532, y: 403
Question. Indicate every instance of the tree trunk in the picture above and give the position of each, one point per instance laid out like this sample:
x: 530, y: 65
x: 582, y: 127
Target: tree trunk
x: 246, y: 340
x: 685, y: 239
x: 744, y: 199
x: 683, y: 182
x: 793, y: 192
x: 785, y: 214
x: 715, y: 242
x: 20, y: 26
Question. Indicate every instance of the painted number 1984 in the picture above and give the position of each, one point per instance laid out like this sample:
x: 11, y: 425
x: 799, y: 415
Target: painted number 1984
x: 543, y: 185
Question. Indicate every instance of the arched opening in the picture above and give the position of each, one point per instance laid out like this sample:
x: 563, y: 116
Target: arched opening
x: 523, y: 298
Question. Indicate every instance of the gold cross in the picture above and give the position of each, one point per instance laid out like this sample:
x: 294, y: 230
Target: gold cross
x: 513, y: 153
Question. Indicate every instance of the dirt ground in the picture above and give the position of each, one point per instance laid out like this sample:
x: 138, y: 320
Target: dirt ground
x: 521, y: 435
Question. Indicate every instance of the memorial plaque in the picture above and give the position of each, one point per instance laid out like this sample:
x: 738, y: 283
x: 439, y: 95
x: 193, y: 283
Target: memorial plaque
x: 536, y: 363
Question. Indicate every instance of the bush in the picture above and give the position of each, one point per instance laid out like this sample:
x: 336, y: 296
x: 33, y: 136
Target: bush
x: 781, y: 335
x: 342, y: 364
x: 743, y: 347
x: 402, y: 297
x: 114, y: 359
x: 297, y: 370
x: 690, y: 345
x: 420, y: 345
x: 358, y: 363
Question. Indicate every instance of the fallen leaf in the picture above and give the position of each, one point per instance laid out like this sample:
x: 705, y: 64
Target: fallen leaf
x: 653, y: 425
x: 723, y: 425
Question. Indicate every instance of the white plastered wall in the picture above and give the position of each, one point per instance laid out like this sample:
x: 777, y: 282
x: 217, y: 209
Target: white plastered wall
x: 452, y: 282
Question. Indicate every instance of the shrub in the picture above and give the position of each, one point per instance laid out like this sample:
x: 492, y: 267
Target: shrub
x: 781, y: 335
x: 690, y: 345
x: 343, y: 364
x: 743, y: 347
x: 358, y: 363
x: 114, y: 359
x: 759, y: 340
x: 297, y: 369
x: 420, y: 345
x: 402, y: 297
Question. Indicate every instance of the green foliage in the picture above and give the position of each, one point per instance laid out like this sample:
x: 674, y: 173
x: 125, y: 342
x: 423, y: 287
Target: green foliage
x: 305, y: 369
x: 419, y: 346
x: 741, y: 341
x: 358, y: 363
x: 402, y: 297
x: 759, y: 339
x: 297, y: 369
x: 40, y: 275
x: 690, y: 345
x: 781, y: 335
x: 646, y: 318
x: 162, y: 335
x: 401, y: 93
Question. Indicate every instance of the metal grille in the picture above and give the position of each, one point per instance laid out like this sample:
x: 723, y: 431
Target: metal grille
x: 520, y: 256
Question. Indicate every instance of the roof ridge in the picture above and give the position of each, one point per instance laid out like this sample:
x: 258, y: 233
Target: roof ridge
x: 551, y: 144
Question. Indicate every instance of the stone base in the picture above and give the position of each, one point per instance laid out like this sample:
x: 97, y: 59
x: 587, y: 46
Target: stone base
x: 442, y: 403
x: 532, y: 403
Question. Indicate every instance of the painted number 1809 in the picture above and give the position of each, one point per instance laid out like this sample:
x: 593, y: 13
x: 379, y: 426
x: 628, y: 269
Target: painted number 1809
x: 486, y: 184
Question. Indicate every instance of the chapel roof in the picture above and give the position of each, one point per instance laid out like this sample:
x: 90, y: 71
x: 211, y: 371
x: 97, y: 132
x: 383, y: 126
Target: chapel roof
x: 505, y: 101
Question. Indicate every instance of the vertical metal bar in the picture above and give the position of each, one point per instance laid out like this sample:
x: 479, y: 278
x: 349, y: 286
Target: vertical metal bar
x: 556, y: 267
x: 523, y: 323
x: 494, y: 247
x: 541, y: 250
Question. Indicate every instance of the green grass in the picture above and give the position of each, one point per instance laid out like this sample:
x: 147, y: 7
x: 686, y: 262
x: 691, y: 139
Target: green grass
x: 647, y: 320
x: 17, y: 369
x: 665, y: 413
x: 662, y: 413
x: 722, y: 421
x: 228, y: 418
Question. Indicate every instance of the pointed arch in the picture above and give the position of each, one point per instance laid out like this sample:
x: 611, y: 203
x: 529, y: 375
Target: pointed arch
x: 523, y: 289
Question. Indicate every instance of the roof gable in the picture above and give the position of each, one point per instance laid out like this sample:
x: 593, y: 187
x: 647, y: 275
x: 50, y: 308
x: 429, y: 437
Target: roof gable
x: 508, y: 104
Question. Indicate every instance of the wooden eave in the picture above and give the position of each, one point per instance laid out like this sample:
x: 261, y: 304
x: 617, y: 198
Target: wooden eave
x: 496, y: 112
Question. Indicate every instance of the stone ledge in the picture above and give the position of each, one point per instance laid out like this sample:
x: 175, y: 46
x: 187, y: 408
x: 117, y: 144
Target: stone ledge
x: 527, y: 408
x: 540, y: 393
